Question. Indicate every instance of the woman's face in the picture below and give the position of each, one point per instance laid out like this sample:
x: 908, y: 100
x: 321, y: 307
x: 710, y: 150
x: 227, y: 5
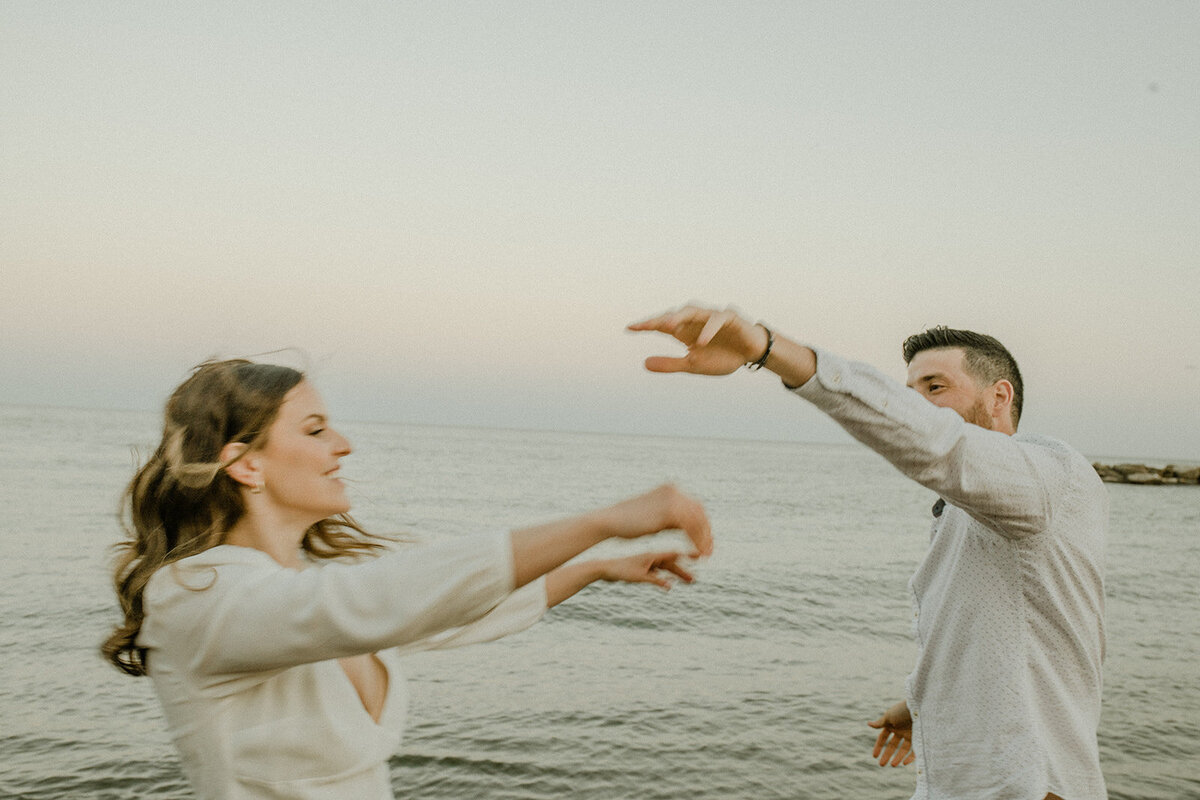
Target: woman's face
x: 300, y: 462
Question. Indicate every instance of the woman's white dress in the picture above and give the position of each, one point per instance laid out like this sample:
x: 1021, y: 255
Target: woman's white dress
x: 243, y: 655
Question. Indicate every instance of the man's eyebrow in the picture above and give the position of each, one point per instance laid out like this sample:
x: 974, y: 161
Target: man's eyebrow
x: 933, y: 376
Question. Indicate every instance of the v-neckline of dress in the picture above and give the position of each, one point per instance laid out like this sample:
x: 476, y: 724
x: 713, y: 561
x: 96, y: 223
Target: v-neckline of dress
x: 387, y: 688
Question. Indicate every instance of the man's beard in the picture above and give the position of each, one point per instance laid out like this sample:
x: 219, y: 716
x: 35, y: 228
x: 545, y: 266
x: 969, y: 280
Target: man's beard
x: 978, y: 415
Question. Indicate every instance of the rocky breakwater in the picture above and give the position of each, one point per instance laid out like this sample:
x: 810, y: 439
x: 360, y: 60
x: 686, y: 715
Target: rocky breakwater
x: 1143, y: 475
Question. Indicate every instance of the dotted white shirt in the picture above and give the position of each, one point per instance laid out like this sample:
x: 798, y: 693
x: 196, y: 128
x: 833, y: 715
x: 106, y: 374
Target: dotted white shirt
x: 1008, y: 603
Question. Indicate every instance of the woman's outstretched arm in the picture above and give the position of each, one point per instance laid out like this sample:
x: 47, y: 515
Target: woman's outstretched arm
x: 542, y: 548
x: 652, y: 568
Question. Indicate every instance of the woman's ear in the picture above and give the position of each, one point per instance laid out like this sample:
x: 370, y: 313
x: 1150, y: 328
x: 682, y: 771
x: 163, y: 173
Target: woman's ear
x: 242, y: 466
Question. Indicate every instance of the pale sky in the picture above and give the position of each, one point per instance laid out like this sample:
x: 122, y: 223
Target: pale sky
x: 452, y: 209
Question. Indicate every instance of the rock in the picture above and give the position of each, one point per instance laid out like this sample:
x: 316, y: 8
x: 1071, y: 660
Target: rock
x: 1143, y: 475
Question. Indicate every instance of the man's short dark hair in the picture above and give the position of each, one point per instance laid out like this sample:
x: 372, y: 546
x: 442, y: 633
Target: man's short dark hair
x: 984, y: 358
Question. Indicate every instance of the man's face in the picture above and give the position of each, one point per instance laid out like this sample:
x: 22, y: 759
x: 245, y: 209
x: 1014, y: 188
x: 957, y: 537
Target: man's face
x: 940, y: 377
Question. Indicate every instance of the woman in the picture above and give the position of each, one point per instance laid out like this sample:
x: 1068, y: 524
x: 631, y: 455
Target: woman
x: 271, y: 623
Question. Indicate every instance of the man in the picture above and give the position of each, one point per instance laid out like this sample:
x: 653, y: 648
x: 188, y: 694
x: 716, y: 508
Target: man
x: 1004, y: 701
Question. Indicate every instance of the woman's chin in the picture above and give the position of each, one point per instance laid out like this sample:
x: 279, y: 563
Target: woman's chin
x: 335, y: 509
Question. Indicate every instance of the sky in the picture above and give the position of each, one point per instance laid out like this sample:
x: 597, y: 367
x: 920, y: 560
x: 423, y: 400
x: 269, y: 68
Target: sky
x: 447, y: 212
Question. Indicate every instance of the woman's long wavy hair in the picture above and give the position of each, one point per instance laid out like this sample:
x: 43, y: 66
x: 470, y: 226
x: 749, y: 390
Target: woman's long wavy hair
x: 182, y: 501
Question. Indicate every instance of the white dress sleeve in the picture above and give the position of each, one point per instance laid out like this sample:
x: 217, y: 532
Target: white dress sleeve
x: 234, y: 610
x: 515, y: 613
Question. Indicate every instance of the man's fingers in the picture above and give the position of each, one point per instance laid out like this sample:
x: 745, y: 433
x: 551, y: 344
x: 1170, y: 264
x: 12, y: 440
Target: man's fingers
x: 666, y: 364
x: 712, y: 326
x: 879, y: 740
x: 887, y: 752
x: 671, y: 322
x: 654, y: 323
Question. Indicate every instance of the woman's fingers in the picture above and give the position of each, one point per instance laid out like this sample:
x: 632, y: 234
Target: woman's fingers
x: 672, y: 565
x: 661, y: 509
x: 653, y: 568
x: 700, y: 532
x: 687, y: 514
x: 658, y: 563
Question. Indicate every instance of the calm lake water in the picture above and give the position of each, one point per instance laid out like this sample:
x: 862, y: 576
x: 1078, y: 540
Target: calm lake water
x: 756, y: 682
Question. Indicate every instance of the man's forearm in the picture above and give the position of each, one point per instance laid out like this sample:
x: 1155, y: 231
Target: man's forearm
x: 794, y: 363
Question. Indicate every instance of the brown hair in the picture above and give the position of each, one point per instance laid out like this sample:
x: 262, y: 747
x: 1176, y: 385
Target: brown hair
x: 984, y: 358
x: 182, y: 502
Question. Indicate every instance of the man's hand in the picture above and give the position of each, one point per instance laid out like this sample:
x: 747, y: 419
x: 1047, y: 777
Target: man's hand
x: 718, y: 342
x: 894, y: 742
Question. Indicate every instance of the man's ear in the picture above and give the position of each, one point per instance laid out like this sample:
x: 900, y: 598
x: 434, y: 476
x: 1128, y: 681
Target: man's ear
x: 1002, y: 398
x: 243, y: 466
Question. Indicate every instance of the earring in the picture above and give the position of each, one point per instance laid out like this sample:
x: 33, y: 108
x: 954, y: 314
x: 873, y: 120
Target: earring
x: 256, y: 488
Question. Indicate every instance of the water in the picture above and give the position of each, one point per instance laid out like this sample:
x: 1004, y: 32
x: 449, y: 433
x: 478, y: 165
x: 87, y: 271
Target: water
x: 756, y: 682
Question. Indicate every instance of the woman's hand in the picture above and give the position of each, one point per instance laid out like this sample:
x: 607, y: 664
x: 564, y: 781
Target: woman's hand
x: 895, y: 736
x: 661, y: 509
x: 539, y: 549
x: 654, y: 568
x: 644, y: 568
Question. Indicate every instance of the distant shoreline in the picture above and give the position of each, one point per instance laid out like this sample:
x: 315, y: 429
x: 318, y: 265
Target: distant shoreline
x: 1143, y: 475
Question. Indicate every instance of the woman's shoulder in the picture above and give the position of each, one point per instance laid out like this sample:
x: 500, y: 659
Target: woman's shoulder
x: 180, y: 594
x: 229, y: 554
x: 203, y: 571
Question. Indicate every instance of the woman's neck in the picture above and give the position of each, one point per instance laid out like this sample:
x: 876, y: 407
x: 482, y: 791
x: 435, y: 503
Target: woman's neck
x: 280, y: 540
